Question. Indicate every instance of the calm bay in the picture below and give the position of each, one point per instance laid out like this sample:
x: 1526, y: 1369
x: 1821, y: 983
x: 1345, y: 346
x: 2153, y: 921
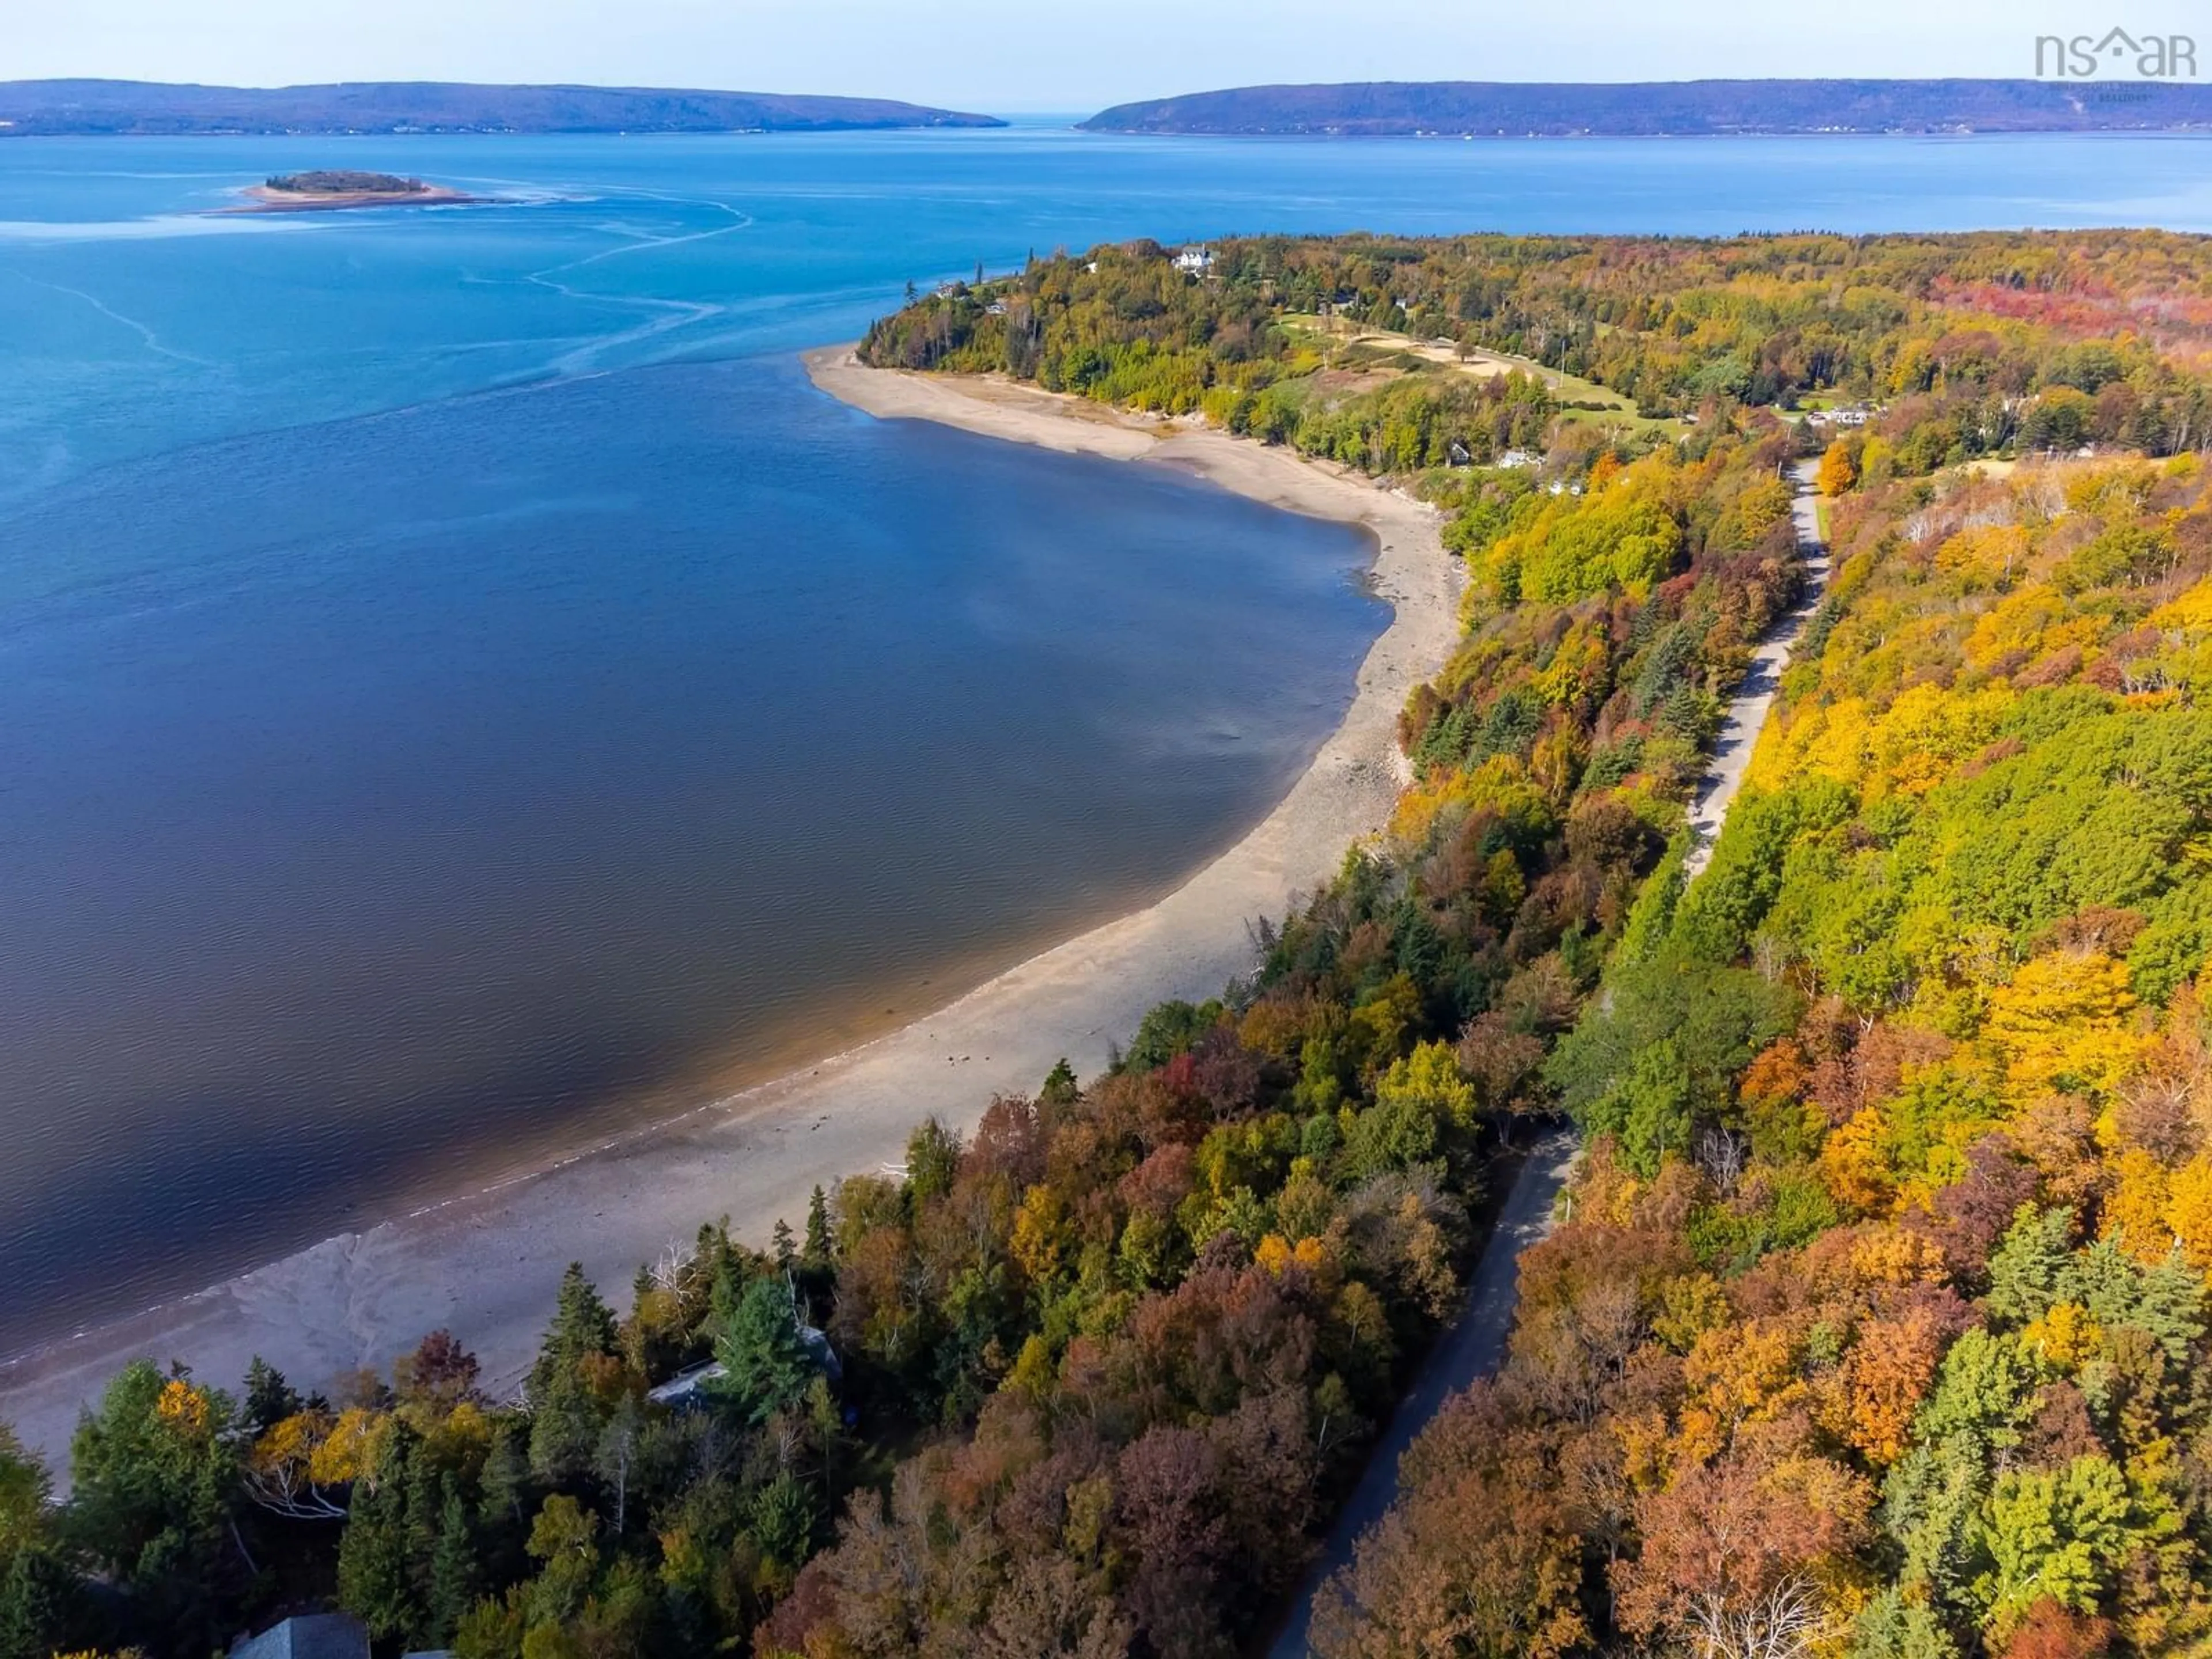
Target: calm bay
x: 463, y: 692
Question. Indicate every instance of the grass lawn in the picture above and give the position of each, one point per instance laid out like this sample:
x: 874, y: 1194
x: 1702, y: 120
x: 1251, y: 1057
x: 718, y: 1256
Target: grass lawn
x: 1364, y: 347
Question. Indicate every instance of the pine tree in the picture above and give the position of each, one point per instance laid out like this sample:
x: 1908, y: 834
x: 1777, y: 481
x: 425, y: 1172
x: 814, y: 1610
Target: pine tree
x: 768, y: 1365
x: 452, y: 1577
x: 785, y: 1246
x: 424, y: 1503
x: 565, y: 1424
x: 2031, y: 1265
x: 377, y: 1555
x: 582, y: 1325
x: 782, y: 1520
x: 816, y: 1255
x: 42, y: 1603
x: 505, y: 1496
x: 565, y: 1412
x: 269, y: 1398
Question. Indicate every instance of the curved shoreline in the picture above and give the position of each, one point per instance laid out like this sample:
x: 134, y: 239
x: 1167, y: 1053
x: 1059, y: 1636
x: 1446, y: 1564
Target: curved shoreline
x: 485, y: 1264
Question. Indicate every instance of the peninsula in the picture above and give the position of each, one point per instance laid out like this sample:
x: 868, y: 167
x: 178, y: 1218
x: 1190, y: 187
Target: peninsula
x: 151, y: 108
x: 326, y: 191
x: 1657, y: 109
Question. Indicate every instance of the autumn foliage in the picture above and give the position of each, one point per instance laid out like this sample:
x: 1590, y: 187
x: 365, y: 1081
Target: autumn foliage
x: 1874, y: 1322
x: 1892, y: 1349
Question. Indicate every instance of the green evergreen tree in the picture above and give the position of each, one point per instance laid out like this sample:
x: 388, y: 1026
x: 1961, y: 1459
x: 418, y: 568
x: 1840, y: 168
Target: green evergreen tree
x: 932, y: 1159
x: 43, y: 1606
x: 269, y: 1398
x: 767, y: 1363
x: 453, y: 1577
x: 2031, y: 1265
x: 25, y: 1488
x: 1655, y: 1109
x: 379, y: 1580
x: 782, y: 1521
x: 565, y: 1424
x: 154, y: 1479
x: 817, y: 1254
x: 566, y: 1413
x: 506, y: 1496
x: 582, y: 1324
x: 1891, y: 1628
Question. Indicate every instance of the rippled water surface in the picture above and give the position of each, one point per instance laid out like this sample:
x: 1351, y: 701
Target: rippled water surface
x: 462, y: 691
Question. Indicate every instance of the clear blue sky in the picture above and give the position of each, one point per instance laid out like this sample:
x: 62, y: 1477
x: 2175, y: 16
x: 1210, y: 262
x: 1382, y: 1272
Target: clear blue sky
x: 1007, y: 56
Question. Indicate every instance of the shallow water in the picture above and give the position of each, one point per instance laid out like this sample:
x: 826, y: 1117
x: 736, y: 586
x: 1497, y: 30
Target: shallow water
x: 462, y: 691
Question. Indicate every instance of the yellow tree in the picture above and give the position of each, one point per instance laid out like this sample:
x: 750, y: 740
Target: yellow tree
x: 1840, y: 468
x: 2188, y: 1211
x: 2135, y: 1209
x: 2063, y: 1024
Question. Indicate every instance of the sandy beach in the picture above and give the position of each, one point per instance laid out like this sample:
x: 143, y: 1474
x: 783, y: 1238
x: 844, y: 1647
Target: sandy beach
x: 485, y: 1266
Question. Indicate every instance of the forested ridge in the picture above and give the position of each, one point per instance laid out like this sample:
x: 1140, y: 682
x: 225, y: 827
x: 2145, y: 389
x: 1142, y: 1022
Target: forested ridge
x: 1876, y: 1322
x: 1699, y: 107
x: 89, y: 108
x: 1975, y: 344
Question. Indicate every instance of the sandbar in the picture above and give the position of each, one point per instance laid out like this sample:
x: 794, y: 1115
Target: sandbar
x: 260, y: 199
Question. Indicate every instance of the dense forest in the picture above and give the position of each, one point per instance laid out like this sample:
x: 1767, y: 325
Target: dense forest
x: 1875, y: 1323
x: 1684, y: 108
x: 141, y: 108
x: 1880, y: 1319
x: 1986, y: 344
x: 344, y: 181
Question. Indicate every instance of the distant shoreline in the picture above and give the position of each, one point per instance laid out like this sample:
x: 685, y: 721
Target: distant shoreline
x: 2142, y: 96
x: 485, y: 1264
x: 384, y: 109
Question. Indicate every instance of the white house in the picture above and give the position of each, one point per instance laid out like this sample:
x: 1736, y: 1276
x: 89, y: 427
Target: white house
x: 1194, y: 261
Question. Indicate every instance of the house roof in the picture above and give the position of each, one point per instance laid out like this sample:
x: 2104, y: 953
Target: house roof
x: 314, y: 1635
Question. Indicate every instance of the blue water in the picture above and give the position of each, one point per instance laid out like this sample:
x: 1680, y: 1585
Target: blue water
x: 129, y: 322
x: 460, y: 689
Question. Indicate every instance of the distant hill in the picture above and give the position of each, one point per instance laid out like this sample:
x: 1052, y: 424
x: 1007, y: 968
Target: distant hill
x: 151, y: 108
x: 1669, y: 108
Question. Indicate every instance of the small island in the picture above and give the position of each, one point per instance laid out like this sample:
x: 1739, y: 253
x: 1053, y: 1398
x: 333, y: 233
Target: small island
x: 327, y: 191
